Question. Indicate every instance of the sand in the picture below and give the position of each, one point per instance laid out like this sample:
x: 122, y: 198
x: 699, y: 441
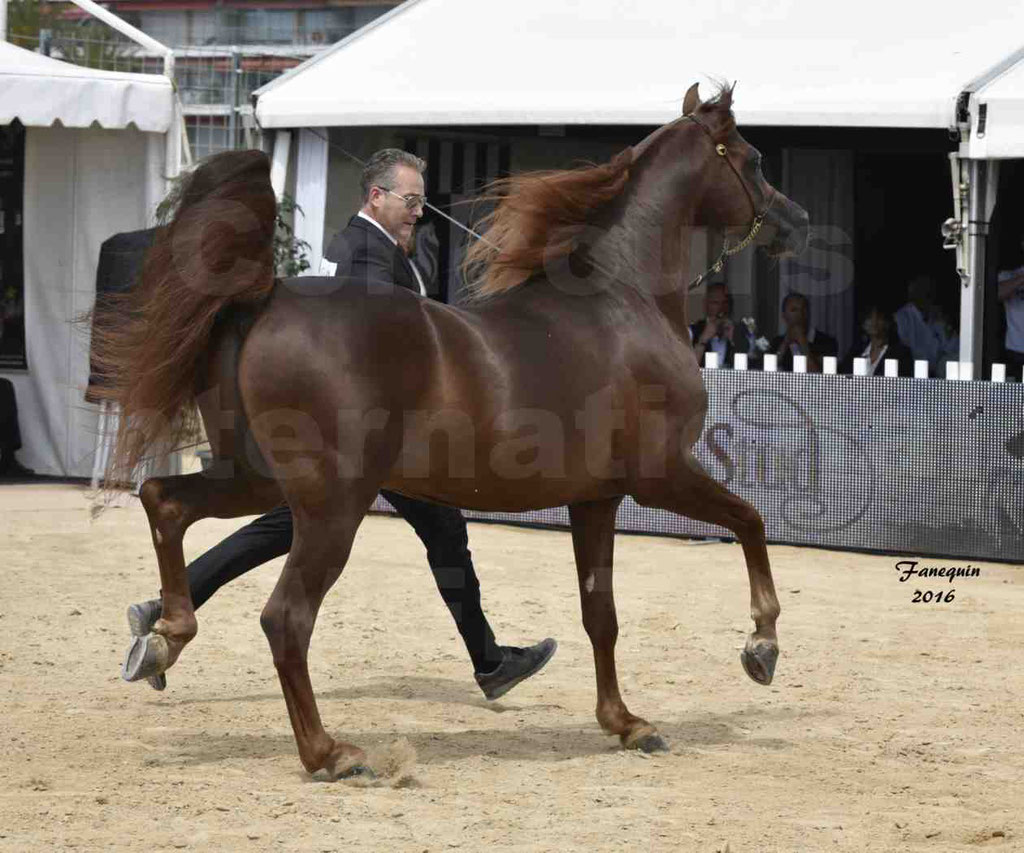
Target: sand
x: 890, y: 726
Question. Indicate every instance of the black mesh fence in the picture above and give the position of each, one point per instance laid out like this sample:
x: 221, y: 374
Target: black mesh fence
x: 928, y: 467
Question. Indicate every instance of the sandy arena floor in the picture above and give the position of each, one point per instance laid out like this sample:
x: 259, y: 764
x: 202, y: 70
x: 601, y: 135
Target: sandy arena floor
x: 891, y: 726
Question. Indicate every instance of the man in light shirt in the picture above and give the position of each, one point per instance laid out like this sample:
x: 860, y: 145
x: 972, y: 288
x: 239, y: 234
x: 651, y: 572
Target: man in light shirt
x: 922, y: 327
x: 1011, y: 294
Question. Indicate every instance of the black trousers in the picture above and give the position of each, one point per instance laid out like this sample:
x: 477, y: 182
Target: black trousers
x: 10, y: 435
x: 441, y: 529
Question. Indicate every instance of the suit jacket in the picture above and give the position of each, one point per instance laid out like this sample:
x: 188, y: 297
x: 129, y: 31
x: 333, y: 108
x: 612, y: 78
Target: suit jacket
x: 365, y: 256
x: 740, y: 342
x: 895, y: 350
x: 821, y: 346
x: 119, y: 268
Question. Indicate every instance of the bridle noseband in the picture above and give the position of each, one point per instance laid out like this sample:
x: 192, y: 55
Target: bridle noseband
x: 755, y: 226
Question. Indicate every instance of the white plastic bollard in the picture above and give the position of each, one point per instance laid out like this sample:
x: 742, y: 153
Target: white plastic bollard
x: 739, y: 361
x: 921, y: 369
x: 952, y: 369
x: 860, y: 367
x: 830, y: 365
x: 799, y: 363
x: 967, y: 370
x: 771, y: 362
x: 892, y: 367
x: 998, y: 372
x: 711, y: 360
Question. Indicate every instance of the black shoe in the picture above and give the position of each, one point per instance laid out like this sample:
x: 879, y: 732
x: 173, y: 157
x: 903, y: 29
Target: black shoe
x: 141, y: 619
x: 516, y: 665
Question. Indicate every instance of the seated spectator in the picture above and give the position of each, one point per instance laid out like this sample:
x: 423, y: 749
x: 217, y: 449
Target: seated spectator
x: 1011, y: 294
x: 801, y: 338
x: 717, y: 332
x: 10, y: 435
x: 923, y: 328
x: 878, y: 343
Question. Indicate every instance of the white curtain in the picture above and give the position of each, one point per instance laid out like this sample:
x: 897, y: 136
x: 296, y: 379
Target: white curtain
x: 311, y: 193
x: 821, y: 181
x: 81, y: 187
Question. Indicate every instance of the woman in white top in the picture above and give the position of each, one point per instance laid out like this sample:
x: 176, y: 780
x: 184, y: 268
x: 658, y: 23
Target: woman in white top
x: 878, y: 343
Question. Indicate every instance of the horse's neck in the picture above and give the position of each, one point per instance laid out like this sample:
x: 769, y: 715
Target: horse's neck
x: 647, y: 251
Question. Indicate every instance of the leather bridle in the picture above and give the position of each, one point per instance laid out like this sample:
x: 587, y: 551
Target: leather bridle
x: 755, y: 226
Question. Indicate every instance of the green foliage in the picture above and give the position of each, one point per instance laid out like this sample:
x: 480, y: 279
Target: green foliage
x: 290, y: 253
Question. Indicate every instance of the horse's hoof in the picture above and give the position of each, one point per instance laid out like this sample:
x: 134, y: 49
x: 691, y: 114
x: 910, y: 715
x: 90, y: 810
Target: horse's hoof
x: 644, y: 739
x: 651, y: 743
x: 759, y: 662
x: 147, y: 656
x: 357, y: 771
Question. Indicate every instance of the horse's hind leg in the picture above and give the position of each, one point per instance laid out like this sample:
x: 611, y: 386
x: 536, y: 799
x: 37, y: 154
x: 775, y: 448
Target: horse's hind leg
x: 172, y: 504
x: 319, y: 552
x: 695, y: 494
x: 593, y: 540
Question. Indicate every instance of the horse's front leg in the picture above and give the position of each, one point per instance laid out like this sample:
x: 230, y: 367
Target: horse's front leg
x: 693, y: 493
x: 593, y: 539
x: 319, y: 551
x: 172, y: 504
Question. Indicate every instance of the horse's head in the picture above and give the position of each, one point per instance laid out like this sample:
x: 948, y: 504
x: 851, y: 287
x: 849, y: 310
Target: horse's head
x: 737, y: 196
x: 722, y: 171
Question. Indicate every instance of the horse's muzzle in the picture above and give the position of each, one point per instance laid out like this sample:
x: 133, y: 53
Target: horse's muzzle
x: 792, y: 231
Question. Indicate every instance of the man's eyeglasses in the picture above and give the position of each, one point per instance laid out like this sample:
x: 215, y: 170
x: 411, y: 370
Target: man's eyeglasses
x: 412, y: 201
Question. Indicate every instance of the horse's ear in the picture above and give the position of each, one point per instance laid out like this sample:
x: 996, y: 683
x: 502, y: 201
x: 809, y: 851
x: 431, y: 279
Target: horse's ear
x: 691, y: 100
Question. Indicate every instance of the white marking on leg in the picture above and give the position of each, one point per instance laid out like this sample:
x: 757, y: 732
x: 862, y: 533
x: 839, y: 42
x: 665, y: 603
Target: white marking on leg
x: 157, y: 537
x: 588, y: 584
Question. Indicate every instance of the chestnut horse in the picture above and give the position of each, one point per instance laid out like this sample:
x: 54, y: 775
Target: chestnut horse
x: 568, y: 378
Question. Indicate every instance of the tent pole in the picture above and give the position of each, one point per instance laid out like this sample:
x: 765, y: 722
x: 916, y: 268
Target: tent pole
x: 982, y: 184
x: 279, y: 165
x: 123, y: 27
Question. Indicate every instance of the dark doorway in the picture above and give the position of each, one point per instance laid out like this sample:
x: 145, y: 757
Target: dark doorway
x: 12, y: 268
x: 901, y: 201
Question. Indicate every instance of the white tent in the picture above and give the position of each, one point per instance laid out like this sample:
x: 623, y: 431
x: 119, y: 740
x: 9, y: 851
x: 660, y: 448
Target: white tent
x: 996, y: 111
x: 874, y: 63
x: 99, y: 146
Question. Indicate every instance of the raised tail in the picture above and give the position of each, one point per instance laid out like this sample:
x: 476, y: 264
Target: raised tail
x: 148, y: 344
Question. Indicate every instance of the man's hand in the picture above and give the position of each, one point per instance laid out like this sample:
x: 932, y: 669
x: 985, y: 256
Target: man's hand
x: 710, y: 330
x: 796, y: 335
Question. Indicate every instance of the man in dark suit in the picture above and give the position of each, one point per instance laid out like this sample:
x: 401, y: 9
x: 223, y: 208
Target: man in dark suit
x: 371, y: 252
x: 801, y: 338
x: 10, y: 435
x: 717, y: 332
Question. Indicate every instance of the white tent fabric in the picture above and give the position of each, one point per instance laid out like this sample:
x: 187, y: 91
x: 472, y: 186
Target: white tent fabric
x: 38, y: 91
x: 1002, y: 134
x: 82, y: 185
x: 873, y: 63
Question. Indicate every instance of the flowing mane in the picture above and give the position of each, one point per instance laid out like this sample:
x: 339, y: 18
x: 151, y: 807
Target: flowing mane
x: 148, y: 344
x: 540, y: 214
x: 538, y: 217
